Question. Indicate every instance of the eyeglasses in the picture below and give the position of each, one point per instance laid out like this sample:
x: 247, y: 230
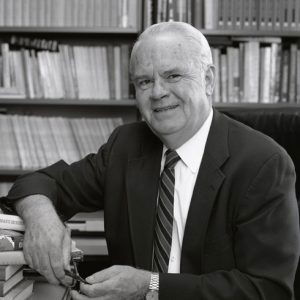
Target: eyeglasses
x: 76, y: 279
x: 74, y: 274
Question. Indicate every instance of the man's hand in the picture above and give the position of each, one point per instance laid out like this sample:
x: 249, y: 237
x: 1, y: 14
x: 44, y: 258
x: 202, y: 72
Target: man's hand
x: 117, y: 282
x: 47, y: 242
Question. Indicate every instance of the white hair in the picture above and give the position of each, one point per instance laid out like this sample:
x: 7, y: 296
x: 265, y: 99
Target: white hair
x: 201, y: 50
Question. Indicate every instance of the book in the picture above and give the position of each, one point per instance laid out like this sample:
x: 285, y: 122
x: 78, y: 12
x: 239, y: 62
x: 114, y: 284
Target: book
x: 273, y: 70
x: 11, y: 222
x: 124, y: 71
x: 7, y: 271
x: 265, y: 54
x: 285, y: 73
x: 251, y: 71
x: 298, y: 78
x: 254, y: 12
x: 11, y: 240
x: 198, y: 15
x: 238, y: 14
x: 262, y: 23
x: 9, y: 157
x: 224, y: 79
x: 17, y: 257
x: 277, y: 15
x: 6, y: 285
x: 12, y: 258
x: 22, y: 142
x: 117, y: 71
x: 210, y: 15
x: 20, y: 292
x: 216, y: 52
x: 6, y: 68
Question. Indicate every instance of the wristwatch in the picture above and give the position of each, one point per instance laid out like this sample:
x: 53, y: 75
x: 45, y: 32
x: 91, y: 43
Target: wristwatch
x: 153, y: 289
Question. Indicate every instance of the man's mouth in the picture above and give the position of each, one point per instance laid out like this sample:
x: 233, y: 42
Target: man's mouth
x: 165, y: 108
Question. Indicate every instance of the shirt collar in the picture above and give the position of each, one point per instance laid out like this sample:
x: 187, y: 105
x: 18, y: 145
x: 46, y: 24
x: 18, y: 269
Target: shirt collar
x: 191, y: 152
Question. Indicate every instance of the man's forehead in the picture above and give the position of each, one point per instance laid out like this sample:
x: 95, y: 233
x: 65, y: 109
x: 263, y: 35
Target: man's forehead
x: 163, y: 48
x: 161, y: 41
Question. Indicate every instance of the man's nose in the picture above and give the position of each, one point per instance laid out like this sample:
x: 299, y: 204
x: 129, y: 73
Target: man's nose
x: 159, y: 90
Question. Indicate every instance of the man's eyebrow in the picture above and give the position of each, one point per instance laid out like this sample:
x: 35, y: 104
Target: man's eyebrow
x: 139, y: 76
x: 172, y: 71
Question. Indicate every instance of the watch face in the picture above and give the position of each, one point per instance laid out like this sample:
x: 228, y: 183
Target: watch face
x: 152, y: 295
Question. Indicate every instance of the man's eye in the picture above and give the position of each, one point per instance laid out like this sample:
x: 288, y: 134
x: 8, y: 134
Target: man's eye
x: 174, y: 77
x: 144, y: 83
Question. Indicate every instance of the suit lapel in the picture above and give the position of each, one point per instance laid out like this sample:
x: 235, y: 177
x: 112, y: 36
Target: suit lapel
x: 142, y: 186
x: 208, y: 182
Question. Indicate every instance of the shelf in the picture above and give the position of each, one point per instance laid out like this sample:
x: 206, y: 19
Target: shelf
x: 68, y: 102
x: 74, y: 30
x: 131, y: 103
x: 252, y: 33
x: 282, y: 106
x: 115, y: 30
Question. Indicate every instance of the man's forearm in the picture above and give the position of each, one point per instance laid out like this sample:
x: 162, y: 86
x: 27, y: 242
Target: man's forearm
x: 35, y: 207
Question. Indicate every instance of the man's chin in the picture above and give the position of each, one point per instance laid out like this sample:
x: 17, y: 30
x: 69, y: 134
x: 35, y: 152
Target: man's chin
x: 165, y: 130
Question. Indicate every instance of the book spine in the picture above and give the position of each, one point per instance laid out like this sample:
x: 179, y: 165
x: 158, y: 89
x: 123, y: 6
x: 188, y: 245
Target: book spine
x: 298, y: 77
x: 11, y: 222
x: 292, y: 73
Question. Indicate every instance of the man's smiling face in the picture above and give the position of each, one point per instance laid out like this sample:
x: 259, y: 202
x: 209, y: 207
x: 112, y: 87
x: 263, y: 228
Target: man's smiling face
x: 170, y: 86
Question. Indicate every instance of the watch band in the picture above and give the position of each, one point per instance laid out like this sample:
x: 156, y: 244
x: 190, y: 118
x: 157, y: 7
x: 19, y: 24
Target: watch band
x: 154, y: 282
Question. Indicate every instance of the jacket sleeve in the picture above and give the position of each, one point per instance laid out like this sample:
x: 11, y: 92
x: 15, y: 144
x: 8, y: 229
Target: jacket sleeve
x: 266, y: 244
x: 73, y: 188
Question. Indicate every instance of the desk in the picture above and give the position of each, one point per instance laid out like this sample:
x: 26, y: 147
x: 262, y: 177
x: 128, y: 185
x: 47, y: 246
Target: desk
x: 46, y: 291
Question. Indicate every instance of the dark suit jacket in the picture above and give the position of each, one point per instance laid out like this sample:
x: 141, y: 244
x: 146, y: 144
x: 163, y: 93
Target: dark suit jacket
x: 241, y: 239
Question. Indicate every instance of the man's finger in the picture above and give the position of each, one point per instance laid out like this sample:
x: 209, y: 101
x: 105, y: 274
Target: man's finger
x: 102, y: 275
x: 57, y: 265
x: 67, y: 245
x: 28, y: 258
x: 76, y: 296
x: 46, y: 270
x: 101, y: 289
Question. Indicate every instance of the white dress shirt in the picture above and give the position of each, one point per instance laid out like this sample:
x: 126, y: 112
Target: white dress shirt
x: 186, y: 171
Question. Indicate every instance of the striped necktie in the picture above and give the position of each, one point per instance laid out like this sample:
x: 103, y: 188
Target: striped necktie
x: 164, y: 215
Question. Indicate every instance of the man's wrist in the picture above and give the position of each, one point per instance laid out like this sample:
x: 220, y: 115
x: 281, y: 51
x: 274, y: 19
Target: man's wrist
x: 153, y: 289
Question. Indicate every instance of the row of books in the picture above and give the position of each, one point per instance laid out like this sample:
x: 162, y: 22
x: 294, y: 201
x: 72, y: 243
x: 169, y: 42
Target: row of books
x: 74, y: 72
x: 66, y: 13
x: 33, y: 142
x: 255, y: 71
x: 226, y: 14
x: 13, y: 284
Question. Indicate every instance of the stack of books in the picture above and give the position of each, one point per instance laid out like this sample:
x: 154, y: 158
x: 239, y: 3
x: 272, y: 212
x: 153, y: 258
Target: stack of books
x: 13, y: 285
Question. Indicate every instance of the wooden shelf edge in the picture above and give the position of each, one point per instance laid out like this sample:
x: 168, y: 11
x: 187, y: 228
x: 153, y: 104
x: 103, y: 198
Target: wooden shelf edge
x: 251, y: 33
x: 257, y: 105
x: 62, y: 29
x: 67, y: 102
x: 130, y: 103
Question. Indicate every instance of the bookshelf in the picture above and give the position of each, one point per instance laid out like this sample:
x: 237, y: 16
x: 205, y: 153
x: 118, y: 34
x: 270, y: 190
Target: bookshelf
x: 245, y: 32
x: 201, y: 13
x: 114, y: 29
x: 87, y: 25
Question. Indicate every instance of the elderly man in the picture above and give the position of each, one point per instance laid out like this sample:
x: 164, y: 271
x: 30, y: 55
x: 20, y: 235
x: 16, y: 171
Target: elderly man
x: 197, y: 206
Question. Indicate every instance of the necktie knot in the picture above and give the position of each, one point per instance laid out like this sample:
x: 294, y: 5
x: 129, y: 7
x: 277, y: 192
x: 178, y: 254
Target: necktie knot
x: 171, y: 159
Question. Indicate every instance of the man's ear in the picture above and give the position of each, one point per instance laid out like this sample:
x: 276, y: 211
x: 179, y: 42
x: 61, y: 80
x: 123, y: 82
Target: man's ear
x: 210, y: 80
